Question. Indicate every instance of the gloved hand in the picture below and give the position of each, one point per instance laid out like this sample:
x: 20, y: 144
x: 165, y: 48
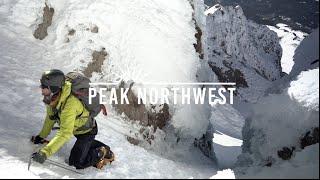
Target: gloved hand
x: 39, y: 157
x: 38, y: 140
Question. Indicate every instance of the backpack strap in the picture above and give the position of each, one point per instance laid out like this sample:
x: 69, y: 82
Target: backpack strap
x: 56, y: 112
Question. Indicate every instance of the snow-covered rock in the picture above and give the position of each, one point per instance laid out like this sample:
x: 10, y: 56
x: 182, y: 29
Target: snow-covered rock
x: 276, y: 130
x: 241, y: 51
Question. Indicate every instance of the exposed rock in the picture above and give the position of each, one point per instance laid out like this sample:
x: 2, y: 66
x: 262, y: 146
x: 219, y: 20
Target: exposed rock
x: 205, y: 143
x: 71, y: 32
x: 133, y: 140
x: 94, y: 29
x: 98, y: 57
x: 230, y: 75
x: 310, y: 138
x: 198, y: 45
x: 41, y: 31
x: 157, y: 116
x: 286, y: 153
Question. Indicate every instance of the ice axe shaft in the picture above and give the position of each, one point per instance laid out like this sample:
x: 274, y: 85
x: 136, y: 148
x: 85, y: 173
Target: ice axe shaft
x: 37, y: 148
x: 63, y: 166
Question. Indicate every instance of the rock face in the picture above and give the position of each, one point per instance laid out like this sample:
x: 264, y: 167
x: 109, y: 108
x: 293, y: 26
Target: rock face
x: 41, y: 31
x: 98, y: 57
x: 241, y: 51
x: 310, y: 138
x: 154, y: 115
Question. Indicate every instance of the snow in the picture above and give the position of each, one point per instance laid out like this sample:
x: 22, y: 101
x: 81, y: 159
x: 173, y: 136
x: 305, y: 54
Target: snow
x: 289, y: 41
x: 280, y: 120
x: 236, y: 45
x: 226, y: 149
x: 148, y: 41
x: 224, y: 174
x: 305, y: 89
x: 303, y: 165
x: 145, y: 42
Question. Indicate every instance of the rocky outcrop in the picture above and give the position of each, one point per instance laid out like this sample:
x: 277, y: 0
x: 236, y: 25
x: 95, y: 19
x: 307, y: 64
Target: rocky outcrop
x: 310, y: 138
x: 41, y: 31
x: 155, y: 116
x: 241, y: 51
x: 98, y: 57
x: 205, y: 143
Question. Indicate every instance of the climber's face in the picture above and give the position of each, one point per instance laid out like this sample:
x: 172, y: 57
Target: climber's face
x: 45, y: 91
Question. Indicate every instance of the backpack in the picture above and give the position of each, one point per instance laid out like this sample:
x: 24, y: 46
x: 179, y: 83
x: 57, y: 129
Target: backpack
x: 80, y: 89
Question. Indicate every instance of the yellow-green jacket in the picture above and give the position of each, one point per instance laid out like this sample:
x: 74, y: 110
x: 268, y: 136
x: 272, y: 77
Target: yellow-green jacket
x: 73, y: 121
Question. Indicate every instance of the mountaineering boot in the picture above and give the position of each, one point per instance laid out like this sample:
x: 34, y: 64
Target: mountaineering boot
x: 106, y: 157
x: 109, y: 158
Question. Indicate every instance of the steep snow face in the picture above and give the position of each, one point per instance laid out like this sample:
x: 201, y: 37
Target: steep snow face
x: 241, y: 51
x: 289, y: 41
x: 145, y: 41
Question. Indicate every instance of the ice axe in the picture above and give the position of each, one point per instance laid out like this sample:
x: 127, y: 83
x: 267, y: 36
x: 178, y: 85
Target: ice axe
x: 43, y: 142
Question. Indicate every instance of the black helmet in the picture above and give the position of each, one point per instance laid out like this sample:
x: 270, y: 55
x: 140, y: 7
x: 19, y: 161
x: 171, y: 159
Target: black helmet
x: 53, y: 79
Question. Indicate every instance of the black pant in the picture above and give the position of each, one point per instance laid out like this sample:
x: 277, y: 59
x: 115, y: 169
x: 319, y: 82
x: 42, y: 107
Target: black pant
x: 85, y: 152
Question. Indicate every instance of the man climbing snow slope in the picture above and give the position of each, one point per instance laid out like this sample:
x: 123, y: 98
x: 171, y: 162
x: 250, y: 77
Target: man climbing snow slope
x: 65, y: 108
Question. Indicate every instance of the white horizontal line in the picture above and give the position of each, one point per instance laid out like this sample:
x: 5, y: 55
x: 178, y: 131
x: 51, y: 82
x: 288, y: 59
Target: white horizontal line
x: 174, y: 83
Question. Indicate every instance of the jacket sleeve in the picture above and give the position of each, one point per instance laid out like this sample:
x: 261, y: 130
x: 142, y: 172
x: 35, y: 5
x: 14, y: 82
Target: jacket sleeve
x: 47, y: 126
x: 67, y: 120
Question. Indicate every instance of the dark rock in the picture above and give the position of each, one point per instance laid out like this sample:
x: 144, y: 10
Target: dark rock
x: 133, y: 140
x: 286, y: 153
x: 41, y: 31
x: 98, y: 58
x: 198, y: 45
x: 71, y: 32
x: 139, y: 112
x: 310, y: 138
x: 95, y: 29
x: 205, y: 143
x: 231, y: 75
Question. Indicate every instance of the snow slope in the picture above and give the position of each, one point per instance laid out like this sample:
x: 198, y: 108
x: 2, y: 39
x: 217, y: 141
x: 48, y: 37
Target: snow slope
x: 289, y: 41
x: 145, y: 41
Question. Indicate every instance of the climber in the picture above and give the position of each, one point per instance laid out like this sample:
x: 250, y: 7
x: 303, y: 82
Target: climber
x: 66, y: 109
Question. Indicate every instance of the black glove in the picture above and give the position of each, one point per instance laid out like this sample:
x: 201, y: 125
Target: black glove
x: 39, y: 157
x: 37, y: 140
